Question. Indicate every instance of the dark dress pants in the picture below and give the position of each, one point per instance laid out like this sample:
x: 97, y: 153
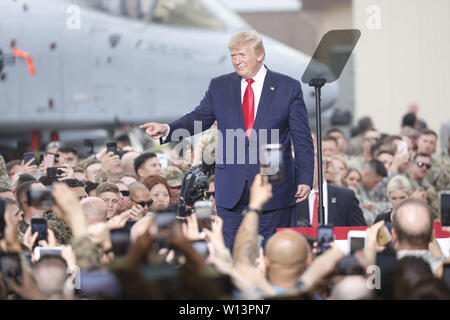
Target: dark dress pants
x: 268, y: 223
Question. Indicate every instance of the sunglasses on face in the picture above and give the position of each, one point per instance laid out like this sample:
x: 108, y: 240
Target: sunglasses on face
x: 143, y: 204
x: 125, y: 193
x: 420, y: 164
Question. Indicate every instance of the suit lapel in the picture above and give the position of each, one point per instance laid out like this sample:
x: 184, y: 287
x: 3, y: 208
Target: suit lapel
x: 332, y: 203
x: 267, y: 94
x: 236, y: 101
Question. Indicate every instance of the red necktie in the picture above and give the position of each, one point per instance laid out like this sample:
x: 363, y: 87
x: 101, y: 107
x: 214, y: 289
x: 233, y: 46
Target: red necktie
x: 315, y: 221
x: 248, y: 107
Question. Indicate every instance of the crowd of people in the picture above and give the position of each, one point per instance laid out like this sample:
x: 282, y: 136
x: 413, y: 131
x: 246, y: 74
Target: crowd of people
x: 115, y: 222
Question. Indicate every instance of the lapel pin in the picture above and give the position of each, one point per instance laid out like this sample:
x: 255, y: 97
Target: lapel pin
x: 272, y: 88
x: 333, y: 200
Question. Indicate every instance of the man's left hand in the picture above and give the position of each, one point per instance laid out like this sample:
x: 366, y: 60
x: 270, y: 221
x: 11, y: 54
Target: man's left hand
x: 302, y: 192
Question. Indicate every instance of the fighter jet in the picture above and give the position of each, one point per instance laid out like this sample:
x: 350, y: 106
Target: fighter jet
x: 94, y: 64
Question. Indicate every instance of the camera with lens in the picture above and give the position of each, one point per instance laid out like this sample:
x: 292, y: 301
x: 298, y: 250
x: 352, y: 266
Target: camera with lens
x: 193, y: 188
x: 54, y: 173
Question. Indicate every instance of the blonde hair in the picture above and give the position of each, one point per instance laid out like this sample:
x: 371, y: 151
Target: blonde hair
x: 339, y: 158
x: 243, y: 37
x: 106, y: 187
x: 399, y: 183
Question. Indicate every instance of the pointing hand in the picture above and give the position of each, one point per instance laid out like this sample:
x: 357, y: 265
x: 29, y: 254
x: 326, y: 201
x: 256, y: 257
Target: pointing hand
x: 155, y: 130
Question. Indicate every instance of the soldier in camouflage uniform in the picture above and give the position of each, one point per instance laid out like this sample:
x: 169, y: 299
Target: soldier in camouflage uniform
x: 393, y: 161
x: 417, y: 174
x: 174, y: 177
x: 107, y: 163
x: 87, y: 254
x: 432, y: 196
x: 373, y: 200
x: 62, y: 231
x: 438, y: 176
x: 83, y: 163
x: 354, y: 146
x: 370, y: 138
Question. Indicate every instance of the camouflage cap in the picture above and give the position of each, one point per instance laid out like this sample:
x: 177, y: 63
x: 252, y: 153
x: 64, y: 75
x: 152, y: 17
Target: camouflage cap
x: 173, y: 175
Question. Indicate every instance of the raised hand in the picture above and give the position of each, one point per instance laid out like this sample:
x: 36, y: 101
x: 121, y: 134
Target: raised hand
x: 28, y: 167
x: 109, y: 161
x: 260, y: 192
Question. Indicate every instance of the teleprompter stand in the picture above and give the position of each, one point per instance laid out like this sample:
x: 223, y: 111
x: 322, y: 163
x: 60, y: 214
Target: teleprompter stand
x: 324, y: 69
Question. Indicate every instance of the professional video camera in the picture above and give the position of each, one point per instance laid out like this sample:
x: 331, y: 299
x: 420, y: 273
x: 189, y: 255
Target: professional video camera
x: 194, y: 188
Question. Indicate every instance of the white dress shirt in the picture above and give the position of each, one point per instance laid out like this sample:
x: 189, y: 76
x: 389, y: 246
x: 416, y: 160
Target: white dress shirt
x: 256, y: 86
x: 312, y: 196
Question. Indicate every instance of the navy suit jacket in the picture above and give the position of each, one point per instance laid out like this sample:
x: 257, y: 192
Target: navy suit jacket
x: 281, y: 107
x: 343, y: 209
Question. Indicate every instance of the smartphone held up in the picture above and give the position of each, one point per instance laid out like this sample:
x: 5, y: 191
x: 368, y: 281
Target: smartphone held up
x: 203, y: 211
x: 325, y: 237
x: 49, y: 160
x: 28, y: 156
x: 111, y: 147
x: 40, y: 226
x: 356, y: 240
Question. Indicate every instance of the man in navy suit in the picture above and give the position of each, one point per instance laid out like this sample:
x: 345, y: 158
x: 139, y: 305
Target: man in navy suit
x: 341, y: 207
x: 253, y: 106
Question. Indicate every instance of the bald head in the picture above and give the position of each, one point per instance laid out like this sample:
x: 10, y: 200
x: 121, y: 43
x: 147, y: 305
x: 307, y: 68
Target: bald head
x: 94, y: 210
x: 288, y: 250
x: 138, y: 191
x: 50, y: 273
x: 127, y: 163
x: 413, y: 225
